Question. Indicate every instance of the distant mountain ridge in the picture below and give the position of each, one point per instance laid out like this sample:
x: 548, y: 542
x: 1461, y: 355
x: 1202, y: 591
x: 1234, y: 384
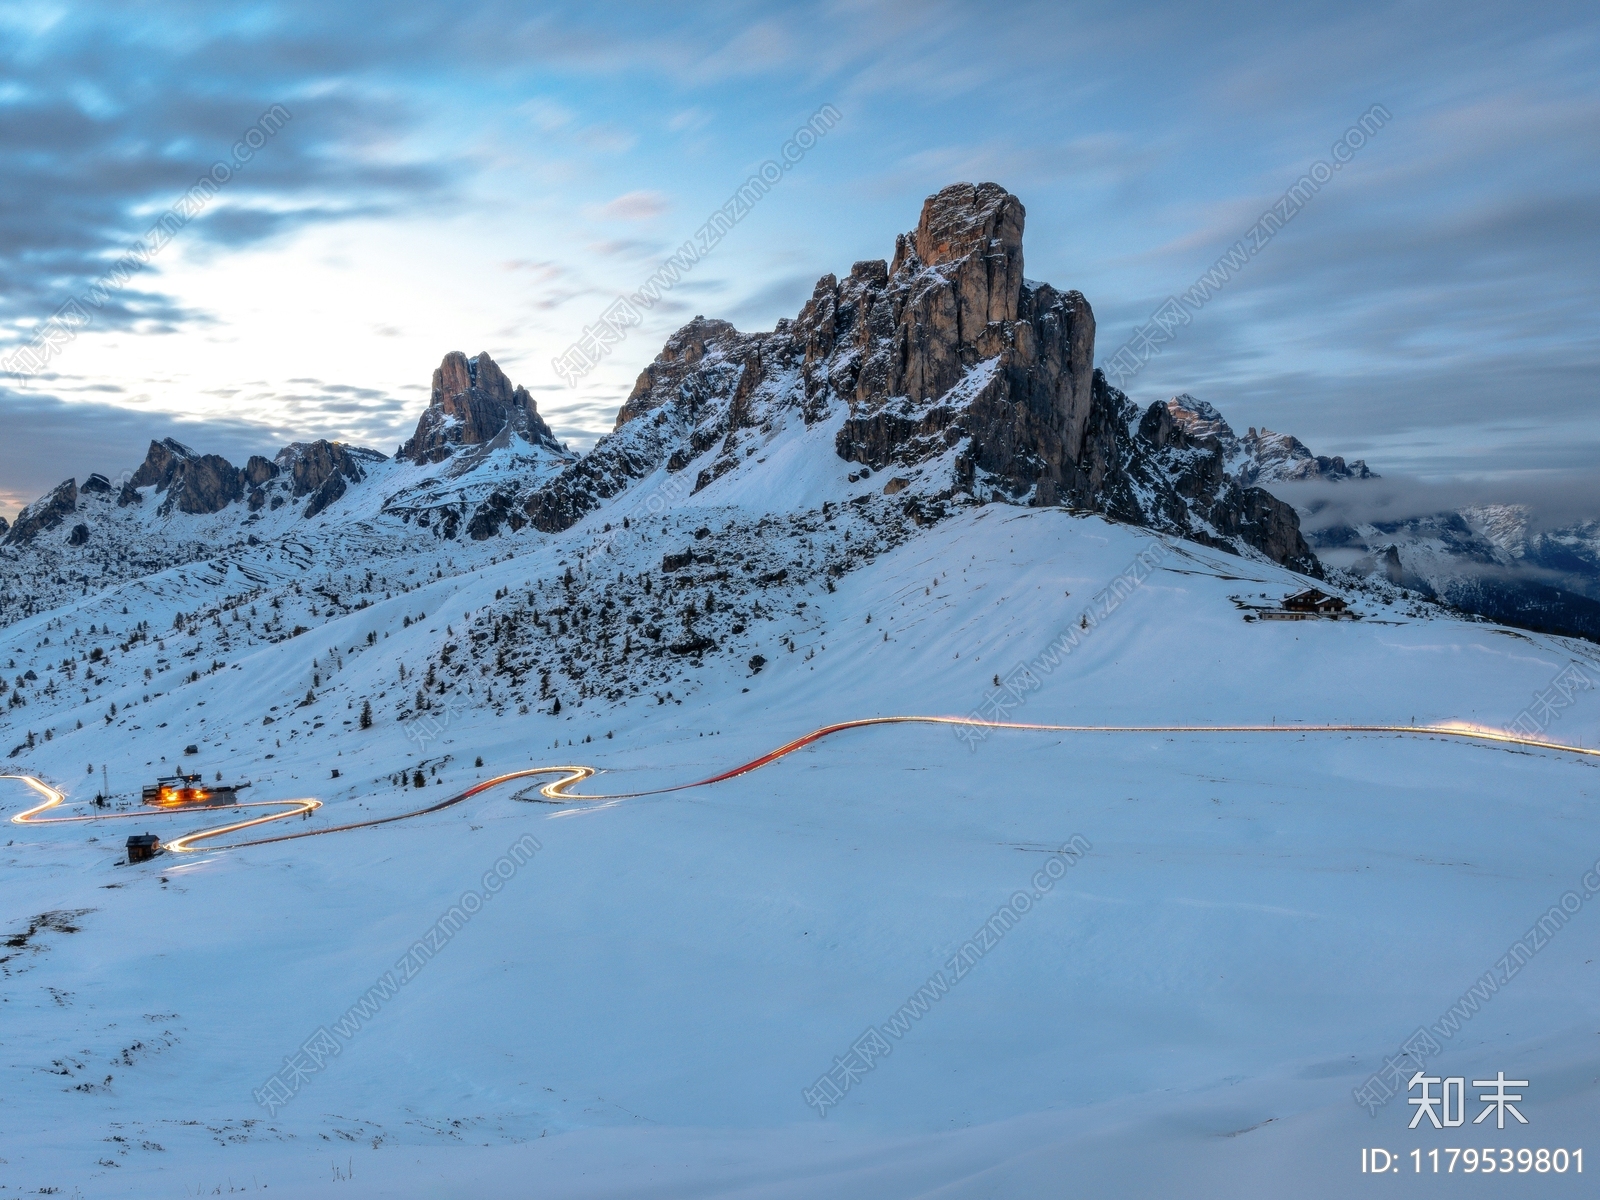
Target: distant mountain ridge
x: 943, y: 370
x: 180, y: 505
x: 1261, y: 456
x: 1482, y: 560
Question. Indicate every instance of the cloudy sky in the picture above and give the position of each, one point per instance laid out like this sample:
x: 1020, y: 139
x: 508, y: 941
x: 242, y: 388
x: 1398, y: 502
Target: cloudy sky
x: 480, y: 176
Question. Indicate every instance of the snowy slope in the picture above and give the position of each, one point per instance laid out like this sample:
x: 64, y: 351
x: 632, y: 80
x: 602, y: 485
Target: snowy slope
x: 1260, y: 921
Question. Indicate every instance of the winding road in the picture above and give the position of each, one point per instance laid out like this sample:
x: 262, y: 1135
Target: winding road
x: 558, y: 789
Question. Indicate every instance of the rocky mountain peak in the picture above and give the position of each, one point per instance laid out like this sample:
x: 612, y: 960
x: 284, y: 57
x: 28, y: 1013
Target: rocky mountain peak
x: 1270, y: 457
x: 45, y: 513
x: 977, y: 231
x: 683, y: 352
x: 163, y: 462
x: 473, y: 404
x: 952, y: 327
x: 1260, y: 456
x: 193, y: 482
x: 944, y: 365
x: 1199, y: 419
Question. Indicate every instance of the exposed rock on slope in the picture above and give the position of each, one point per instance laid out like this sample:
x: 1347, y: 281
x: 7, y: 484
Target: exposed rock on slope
x: 1219, y: 506
x: 696, y: 394
x: 193, y: 482
x: 319, y: 469
x: 44, y: 514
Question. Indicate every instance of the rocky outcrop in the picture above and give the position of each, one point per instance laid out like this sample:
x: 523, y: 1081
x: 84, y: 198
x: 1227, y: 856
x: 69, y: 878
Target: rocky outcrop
x: 331, y: 489
x: 1199, y: 420
x: 473, y: 404
x: 96, y: 485
x: 1217, y: 507
x: 209, y: 483
x: 44, y: 514
x: 321, y: 470
x: 693, y: 396
x: 312, y: 464
x: 193, y: 483
x: 260, y: 470
x: 697, y: 363
x: 162, y: 464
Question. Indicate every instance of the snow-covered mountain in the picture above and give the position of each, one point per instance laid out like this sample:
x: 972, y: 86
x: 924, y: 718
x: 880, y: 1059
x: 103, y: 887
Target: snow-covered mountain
x: 181, y: 506
x: 1489, y: 560
x: 1486, y: 560
x: 915, y: 497
x: 1260, y: 456
x: 946, y: 370
x: 1570, y: 553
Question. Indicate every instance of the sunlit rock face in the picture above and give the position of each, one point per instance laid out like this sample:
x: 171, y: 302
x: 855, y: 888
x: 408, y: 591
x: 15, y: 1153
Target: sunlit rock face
x: 473, y: 404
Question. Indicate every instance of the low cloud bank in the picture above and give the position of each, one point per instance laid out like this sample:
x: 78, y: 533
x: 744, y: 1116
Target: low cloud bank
x: 1553, y: 500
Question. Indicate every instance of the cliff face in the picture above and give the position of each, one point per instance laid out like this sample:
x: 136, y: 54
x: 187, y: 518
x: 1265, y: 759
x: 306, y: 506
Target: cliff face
x: 944, y: 360
x: 320, y: 470
x: 192, y: 482
x: 473, y: 404
x: 1193, y: 461
x: 45, y: 513
x: 955, y: 344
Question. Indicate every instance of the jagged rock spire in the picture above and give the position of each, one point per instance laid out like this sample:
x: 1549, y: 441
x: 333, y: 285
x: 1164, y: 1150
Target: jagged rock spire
x: 474, y: 404
x: 954, y: 297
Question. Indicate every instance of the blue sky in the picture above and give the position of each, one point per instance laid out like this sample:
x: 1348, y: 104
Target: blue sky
x: 490, y: 177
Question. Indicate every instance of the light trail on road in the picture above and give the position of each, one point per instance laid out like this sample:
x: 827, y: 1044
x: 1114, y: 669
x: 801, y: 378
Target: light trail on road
x: 53, y: 797
x: 559, y: 789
